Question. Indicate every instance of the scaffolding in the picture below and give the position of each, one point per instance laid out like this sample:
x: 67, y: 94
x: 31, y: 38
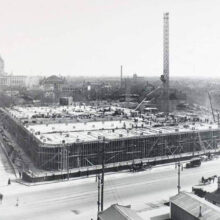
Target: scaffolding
x: 84, y: 154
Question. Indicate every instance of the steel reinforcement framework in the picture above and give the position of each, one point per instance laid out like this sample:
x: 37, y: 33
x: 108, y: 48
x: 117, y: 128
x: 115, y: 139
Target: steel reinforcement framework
x: 83, y: 154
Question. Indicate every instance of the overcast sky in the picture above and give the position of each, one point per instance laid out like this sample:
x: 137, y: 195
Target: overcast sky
x: 94, y: 37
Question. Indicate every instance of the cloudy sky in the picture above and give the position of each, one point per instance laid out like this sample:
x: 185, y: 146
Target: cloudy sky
x: 94, y: 37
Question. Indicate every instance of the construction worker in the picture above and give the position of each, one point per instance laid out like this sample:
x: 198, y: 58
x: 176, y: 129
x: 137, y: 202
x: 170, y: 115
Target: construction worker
x: 17, y: 202
x: 202, y: 179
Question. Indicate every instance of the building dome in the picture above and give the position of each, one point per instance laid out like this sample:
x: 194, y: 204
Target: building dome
x: 2, y: 65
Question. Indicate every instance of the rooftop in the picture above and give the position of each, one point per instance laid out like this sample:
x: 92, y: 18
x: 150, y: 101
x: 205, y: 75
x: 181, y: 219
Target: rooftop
x: 53, y: 79
x: 191, y: 204
x: 119, y: 212
x: 66, y: 124
x: 61, y: 111
x: 93, y: 131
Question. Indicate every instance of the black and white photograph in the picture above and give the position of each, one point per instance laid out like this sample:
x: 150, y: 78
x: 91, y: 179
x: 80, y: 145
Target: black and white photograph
x: 109, y: 110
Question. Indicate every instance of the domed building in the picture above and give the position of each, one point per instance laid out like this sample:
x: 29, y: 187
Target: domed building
x: 53, y: 83
x: 52, y: 86
x: 2, y: 66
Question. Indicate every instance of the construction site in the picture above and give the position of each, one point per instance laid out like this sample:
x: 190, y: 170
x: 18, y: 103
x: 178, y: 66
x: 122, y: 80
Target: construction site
x: 76, y: 139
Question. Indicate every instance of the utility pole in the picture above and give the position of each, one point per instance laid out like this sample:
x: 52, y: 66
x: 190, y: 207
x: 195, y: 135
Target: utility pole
x: 68, y: 168
x: 98, y: 203
x: 103, y: 174
x: 178, y: 186
x: 101, y: 178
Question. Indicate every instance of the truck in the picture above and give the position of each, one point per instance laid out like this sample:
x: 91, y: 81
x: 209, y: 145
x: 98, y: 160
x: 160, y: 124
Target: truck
x: 194, y: 162
x: 140, y: 166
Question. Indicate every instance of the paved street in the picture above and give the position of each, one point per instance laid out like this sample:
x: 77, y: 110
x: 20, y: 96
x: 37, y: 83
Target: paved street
x: 77, y: 199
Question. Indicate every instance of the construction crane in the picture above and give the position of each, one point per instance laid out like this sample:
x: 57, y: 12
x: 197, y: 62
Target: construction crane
x: 165, y: 77
x: 210, y: 100
x: 148, y: 95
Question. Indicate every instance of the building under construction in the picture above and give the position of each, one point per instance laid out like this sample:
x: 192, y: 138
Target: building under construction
x: 75, y: 137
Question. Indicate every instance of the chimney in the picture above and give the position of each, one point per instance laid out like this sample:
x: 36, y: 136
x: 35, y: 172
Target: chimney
x: 121, y: 75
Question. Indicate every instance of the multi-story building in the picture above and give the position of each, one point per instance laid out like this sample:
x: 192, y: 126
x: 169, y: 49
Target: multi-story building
x: 12, y: 81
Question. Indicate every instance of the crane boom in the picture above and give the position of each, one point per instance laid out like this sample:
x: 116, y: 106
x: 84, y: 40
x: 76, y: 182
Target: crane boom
x: 150, y: 93
x: 210, y: 100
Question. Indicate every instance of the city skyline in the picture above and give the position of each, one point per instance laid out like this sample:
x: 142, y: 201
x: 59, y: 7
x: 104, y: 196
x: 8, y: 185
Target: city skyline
x: 93, y: 38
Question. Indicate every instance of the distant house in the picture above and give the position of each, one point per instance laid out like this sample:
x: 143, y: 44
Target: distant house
x: 187, y: 206
x: 118, y: 212
x: 66, y: 100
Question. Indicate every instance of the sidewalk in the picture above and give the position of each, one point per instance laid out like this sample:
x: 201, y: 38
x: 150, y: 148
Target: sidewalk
x: 6, y: 169
x: 118, y: 174
x: 41, y: 175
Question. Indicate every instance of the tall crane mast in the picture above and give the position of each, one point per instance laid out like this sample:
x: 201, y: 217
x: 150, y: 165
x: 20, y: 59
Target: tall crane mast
x: 165, y: 76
